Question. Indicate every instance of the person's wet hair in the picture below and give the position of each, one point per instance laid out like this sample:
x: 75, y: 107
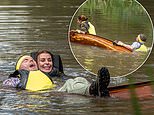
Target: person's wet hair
x: 82, y: 18
x: 143, y: 37
x: 43, y: 51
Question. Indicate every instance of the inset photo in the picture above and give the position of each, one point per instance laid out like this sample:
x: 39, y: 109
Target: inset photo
x: 117, y: 34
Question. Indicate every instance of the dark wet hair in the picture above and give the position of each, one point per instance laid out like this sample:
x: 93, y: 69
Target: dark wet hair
x: 43, y: 51
x: 143, y: 37
x: 82, y: 18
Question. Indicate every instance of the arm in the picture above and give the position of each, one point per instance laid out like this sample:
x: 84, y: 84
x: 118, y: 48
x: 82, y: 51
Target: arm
x: 79, y: 31
x: 125, y: 45
x: 11, y: 82
x: 83, y: 28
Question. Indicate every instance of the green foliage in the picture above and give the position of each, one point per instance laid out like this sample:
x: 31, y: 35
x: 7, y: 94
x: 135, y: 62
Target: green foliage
x: 109, y: 6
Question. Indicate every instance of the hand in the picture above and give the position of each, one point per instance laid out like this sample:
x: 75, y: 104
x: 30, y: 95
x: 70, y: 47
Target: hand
x: 72, y: 30
x: 79, y: 31
x: 115, y: 42
x: 120, y: 43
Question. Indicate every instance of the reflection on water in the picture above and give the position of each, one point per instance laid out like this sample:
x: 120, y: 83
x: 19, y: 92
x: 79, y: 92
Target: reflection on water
x: 62, y: 104
x: 93, y: 58
x: 29, y: 25
x: 115, y: 20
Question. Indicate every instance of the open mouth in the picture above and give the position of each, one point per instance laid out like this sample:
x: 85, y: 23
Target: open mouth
x: 47, y: 67
x: 32, y: 66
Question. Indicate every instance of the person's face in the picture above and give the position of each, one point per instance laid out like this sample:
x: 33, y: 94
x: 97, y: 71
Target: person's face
x: 137, y: 38
x: 78, y: 21
x: 28, y: 64
x: 44, y: 62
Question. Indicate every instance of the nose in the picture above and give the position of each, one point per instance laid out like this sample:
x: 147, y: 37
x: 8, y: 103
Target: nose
x: 32, y: 61
x: 46, y: 61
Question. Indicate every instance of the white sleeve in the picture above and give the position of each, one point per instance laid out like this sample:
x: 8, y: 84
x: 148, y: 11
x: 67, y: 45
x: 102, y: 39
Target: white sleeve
x: 136, y: 45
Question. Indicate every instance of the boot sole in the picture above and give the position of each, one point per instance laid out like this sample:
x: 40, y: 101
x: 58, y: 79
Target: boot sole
x: 103, y: 82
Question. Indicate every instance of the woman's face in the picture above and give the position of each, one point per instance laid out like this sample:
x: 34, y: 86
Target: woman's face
x: 28, y: 64
x: 137, y: 38
x: 78, y: 21
x: 44, y: 62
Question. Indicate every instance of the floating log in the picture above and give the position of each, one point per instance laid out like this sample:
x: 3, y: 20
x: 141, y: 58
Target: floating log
x: 142, y: 90
x: 94, y: 40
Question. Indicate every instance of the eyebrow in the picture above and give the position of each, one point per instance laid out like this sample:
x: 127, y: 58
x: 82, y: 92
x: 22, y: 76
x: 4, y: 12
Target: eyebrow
x: 45, y: 58
x: 25, y: 59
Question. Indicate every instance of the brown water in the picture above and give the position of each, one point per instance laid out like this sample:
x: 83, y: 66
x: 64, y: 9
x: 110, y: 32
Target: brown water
x: 27, y: 26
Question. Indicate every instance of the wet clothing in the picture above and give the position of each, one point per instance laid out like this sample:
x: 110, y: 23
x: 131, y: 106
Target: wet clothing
x: 35, y: 80
x: 87, y: 27
x: 31, y: 80
x: 11, y: 82
x: 91, y: 29
x: 80, y: 85
x: 77, y: 85
x: 15, y: 80
x: 137, y: 46
x: 58, y: 74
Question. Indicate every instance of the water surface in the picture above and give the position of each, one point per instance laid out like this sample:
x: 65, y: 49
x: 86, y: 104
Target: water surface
x: 27, y: 26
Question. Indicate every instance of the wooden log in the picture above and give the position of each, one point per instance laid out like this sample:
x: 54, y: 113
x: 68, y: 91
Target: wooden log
x: 94, y: 40
x: 142, y: 90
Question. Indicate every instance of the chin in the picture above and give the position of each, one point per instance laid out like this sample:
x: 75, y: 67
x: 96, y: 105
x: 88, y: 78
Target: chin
x: 47, y: 71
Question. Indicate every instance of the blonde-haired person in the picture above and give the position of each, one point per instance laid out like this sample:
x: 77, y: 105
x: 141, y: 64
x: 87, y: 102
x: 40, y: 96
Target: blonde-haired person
x: 24, y: 62
x: 27, y: 76
x: 32, y: 79
x: 138, y: 45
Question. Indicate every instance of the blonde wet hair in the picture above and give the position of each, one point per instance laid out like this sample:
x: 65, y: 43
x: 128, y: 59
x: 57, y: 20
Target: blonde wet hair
x: 19, y: 61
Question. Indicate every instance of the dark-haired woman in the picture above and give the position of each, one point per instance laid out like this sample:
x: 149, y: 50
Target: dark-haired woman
x: 85, y: 26
x: 78, y: 85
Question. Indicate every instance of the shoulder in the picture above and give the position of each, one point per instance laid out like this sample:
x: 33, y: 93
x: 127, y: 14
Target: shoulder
x: 136, y: 45
x: 85, y: 23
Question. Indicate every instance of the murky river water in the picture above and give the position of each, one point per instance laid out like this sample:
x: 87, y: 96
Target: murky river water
x: 27, y: 26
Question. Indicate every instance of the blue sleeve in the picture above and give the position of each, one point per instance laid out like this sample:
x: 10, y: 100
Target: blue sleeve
x: 136, y: 45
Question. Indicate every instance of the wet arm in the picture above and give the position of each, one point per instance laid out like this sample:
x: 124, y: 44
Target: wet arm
x: 125, y: 45
x: 84, y: 27
x: 11, y: 82
x: 128, y: 46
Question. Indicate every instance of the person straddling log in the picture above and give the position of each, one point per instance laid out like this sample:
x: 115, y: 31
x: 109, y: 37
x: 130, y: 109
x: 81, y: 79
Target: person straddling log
x: 85, y: 25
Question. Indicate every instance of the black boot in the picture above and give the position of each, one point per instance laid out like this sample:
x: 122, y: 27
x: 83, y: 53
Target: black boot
x: 93, y: 89
x: 99, y: 87
x: 103, y: 82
